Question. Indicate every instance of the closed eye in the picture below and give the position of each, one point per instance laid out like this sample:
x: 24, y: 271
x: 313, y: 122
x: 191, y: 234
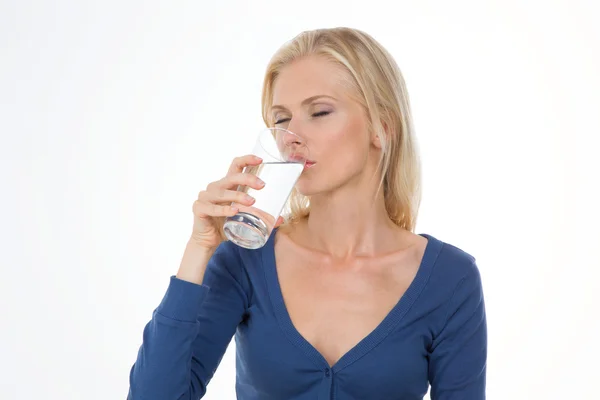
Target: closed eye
x: 321, y: 114
x: 315, y: 115
x: 281, y: 121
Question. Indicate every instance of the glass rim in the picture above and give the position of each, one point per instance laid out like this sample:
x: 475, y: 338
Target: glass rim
x: 302, y: 144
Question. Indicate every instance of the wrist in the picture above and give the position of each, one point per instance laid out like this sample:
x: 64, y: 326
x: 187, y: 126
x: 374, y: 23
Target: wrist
x: 200, y: 249
x: 194, y: 262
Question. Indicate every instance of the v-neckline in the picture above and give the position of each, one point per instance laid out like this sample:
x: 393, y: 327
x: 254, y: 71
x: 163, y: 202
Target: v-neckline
x: 381, y: 331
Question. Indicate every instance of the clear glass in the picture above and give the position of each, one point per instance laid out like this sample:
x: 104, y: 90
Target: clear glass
x: 284, y: 156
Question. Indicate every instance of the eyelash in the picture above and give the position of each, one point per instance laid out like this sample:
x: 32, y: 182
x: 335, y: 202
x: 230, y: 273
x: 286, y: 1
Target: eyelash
x: 319, y: 114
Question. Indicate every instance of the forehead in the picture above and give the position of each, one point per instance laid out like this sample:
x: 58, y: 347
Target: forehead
x: 308, y: 77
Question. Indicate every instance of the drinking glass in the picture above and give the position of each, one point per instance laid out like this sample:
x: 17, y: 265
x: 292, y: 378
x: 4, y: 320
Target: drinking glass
x: 284, y: 156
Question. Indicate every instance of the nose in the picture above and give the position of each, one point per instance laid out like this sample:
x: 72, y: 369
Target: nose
x: 291, y: 145
x: 294, y: 126
x: 290, y: 141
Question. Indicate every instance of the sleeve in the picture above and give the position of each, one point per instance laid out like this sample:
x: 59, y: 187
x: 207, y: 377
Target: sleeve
x: 458, y: 355
x: 189, y: 332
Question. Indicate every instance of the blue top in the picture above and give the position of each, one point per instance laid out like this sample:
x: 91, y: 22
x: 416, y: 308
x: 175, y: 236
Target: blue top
x: 436, y: 334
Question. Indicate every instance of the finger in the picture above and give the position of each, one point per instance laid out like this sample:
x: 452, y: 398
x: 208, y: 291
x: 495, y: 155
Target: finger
x: 228, y: 196
x: 204, y: 209
x: 240, y: 163
x: 279, y: 222
x: 235, y: 180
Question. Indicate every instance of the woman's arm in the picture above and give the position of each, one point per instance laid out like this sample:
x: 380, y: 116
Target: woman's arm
x: 190, y: 330
x: 457, y: 359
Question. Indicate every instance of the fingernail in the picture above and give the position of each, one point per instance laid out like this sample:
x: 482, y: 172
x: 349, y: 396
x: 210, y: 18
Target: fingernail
x: 250, y: 199
x: 234, y: 209
x: 258, y: 158
x: 260, y: 182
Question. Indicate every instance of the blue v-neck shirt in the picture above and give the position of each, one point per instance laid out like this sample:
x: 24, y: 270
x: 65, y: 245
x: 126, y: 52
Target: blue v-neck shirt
x: 435, y: 335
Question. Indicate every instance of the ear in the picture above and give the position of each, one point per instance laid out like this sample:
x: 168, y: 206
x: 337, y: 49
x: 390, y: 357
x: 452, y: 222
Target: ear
x: 376, y: 139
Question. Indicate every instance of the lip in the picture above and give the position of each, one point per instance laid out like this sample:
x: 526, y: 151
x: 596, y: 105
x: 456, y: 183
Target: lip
x: 299, y: 158
x: 309, y: 164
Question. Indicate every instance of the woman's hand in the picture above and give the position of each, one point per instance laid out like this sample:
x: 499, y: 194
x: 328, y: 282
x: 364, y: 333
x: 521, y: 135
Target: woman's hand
x: 215, y: 203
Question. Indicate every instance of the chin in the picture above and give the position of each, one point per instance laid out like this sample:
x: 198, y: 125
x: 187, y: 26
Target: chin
x: 305, y: 186
x: 308, y: 186
x: 304, y: 189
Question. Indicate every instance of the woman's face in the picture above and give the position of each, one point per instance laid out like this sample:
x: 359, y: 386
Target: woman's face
x: 311, y: 99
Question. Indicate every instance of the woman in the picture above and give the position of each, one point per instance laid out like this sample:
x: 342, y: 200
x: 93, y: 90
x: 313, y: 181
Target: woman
x: 344, y: 301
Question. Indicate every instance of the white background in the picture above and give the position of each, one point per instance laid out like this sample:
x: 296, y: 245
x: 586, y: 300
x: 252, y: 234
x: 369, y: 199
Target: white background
x: 114, y: 114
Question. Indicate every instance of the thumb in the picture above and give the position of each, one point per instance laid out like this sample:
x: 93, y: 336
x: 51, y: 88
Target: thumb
x: 279, y: 222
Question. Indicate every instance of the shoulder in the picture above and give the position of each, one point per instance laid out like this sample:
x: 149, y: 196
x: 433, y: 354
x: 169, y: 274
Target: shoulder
x: 238, y: 261
x: 226, y: 252
x: 453, y: 265
x: 226, y: 260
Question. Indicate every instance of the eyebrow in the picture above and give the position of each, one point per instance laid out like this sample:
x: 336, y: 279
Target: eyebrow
x: 305, y: 101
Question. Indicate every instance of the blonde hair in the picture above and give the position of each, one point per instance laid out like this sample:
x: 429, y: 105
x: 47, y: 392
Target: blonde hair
x: 378, y: 85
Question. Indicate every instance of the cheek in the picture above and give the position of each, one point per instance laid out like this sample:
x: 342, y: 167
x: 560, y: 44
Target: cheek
x: 346, y: 144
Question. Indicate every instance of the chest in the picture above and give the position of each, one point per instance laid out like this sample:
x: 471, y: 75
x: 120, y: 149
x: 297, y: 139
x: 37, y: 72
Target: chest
x: 334, y: 307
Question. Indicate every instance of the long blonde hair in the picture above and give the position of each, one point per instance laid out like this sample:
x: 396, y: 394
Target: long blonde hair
x: 378, y: 85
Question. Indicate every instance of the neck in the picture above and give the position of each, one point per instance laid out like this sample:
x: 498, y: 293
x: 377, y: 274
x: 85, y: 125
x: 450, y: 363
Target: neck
x: 343, y: 224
